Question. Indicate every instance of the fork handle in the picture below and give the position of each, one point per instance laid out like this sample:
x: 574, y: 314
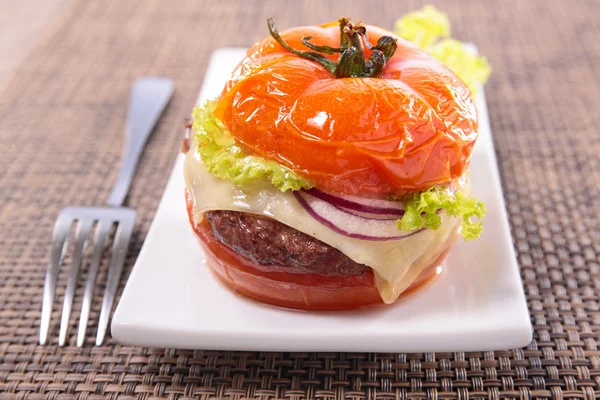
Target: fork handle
x: 149, y: 97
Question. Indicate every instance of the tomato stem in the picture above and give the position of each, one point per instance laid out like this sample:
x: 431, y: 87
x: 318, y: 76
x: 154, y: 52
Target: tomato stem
x: 351, y: 62
x: 321, y: 59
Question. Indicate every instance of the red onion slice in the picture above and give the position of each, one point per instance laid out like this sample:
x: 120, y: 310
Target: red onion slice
x: 351, y: 225
x: 382, y: 217
x: 361, y: 204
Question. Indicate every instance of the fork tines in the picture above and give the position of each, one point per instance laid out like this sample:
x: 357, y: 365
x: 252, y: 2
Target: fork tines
x: 103, y: 220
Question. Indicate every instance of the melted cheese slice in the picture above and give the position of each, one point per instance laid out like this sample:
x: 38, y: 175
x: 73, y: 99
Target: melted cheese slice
x: 396, y: 263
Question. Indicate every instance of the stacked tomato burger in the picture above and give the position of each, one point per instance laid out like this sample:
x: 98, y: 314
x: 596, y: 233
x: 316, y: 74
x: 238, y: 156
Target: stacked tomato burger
x: 332, y: 171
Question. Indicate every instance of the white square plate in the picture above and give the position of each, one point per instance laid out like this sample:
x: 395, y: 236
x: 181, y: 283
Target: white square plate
x: 172, y: 300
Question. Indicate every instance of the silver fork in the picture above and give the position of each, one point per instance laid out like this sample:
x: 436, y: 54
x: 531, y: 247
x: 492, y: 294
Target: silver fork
x: 149, y: 97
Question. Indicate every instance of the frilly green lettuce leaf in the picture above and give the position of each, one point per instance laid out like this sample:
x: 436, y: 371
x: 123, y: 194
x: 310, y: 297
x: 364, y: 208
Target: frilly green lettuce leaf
x: 429, y: 29
x: 474, y: 70
x: 423, y: 27
x: 421, y: 211
x: 226, y: 160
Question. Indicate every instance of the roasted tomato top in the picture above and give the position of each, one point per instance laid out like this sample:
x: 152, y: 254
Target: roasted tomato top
x: 319, y: 101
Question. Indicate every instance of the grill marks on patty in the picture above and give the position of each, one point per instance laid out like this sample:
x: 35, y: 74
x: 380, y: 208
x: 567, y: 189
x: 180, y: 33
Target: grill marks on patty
x: 275, y: 246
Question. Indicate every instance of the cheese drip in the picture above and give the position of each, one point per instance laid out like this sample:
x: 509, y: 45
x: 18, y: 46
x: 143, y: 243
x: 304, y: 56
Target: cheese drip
x: 395, y: 263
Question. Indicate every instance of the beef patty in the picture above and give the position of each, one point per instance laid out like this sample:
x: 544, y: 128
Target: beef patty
x: 273, y: 245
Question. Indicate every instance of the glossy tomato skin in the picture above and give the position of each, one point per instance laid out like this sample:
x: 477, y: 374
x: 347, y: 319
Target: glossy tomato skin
x: 287, y: 289
x: 409, y: 129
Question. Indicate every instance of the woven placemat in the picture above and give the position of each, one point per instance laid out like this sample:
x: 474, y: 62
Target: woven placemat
x: 61, y: 129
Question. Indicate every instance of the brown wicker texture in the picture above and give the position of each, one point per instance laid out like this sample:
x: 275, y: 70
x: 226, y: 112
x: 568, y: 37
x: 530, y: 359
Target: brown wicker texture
x: 61, y: 123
